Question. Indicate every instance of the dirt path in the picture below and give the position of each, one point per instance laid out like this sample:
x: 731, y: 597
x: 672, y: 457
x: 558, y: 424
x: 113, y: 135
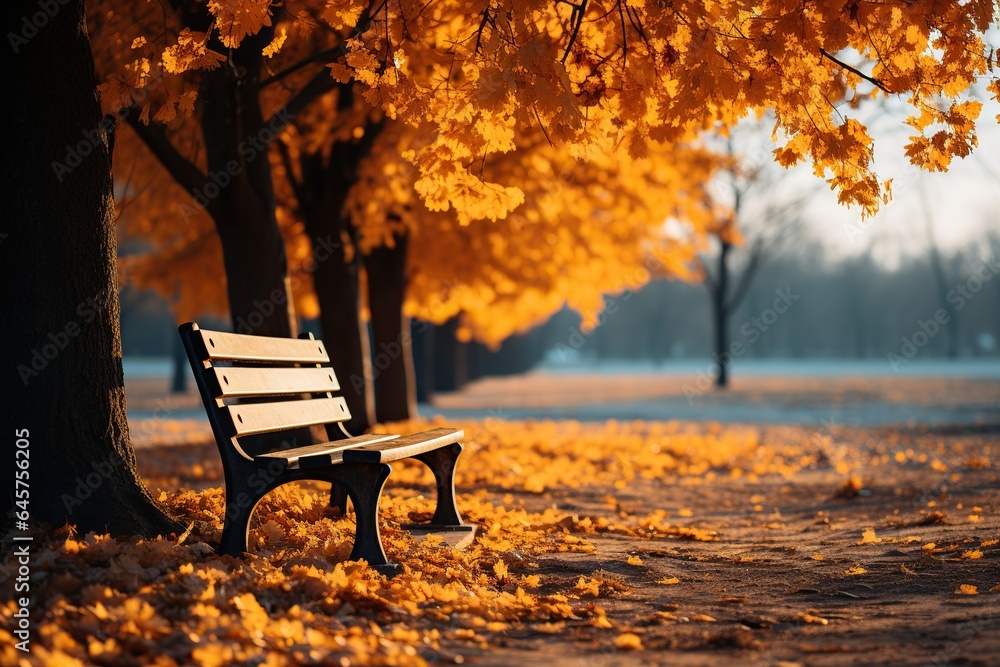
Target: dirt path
x: 787, y: 581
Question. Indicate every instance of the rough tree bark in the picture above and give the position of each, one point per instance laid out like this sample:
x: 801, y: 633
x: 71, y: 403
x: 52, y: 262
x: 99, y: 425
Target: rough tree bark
x: 392, y: 356
x: 237, y: 191
x: 59, y: 261
x: 253, y: 250
x: 321, y: 191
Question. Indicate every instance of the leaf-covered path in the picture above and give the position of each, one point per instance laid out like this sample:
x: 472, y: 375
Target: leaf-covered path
x: 603, y: 544
x: 897, y: 563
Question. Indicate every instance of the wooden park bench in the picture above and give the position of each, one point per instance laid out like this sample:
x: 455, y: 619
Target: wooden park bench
x: 262, y: 394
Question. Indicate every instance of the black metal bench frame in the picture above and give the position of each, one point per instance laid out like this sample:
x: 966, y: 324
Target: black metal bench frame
x: 288, y: 372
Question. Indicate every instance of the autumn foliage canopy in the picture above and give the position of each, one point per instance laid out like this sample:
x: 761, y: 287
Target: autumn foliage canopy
x: 516, y: 140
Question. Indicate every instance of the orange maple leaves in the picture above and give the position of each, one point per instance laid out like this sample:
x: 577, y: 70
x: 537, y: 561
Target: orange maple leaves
x: 494, y: 103
x: 625, y: 74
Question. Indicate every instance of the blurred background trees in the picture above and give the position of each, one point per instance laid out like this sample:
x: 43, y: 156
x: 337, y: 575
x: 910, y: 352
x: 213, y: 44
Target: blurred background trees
x: 853, y: 307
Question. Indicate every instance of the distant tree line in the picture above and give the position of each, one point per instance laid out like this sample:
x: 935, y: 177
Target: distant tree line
x: 854, y: 308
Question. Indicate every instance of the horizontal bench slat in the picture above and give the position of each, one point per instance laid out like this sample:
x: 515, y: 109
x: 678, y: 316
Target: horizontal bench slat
x: 254, y: 418
x: 325, y: 453
x: 222, y: 346
x: 404, y: 447
x: 263, y: 381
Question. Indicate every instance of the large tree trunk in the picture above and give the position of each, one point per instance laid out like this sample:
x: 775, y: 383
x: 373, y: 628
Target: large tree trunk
x: 337, y: 289
x: 392, y: 356
x: 68, y: 402
x: 237, y: 190
x: 321, y: 193
x: 423, y: 360
x: 450, y: 358
x: 720, y: 319
x: 336, y: 280
x: 236, y: 147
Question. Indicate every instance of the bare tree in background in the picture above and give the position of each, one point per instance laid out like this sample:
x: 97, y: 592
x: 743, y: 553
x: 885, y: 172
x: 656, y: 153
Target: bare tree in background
x: 940, y: 280
x: 743, y: 240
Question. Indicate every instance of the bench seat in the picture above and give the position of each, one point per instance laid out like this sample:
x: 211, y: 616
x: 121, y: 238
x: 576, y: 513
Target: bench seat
x: 324, y: 453
x: 398, y: 448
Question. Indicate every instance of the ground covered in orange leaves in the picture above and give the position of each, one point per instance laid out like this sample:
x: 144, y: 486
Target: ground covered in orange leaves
x: 601, y: 544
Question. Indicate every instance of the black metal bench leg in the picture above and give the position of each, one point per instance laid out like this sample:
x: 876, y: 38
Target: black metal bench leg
x: 236, y: 525
x: 442, y: 463
x: 338, y: 498
x: 364, y: 482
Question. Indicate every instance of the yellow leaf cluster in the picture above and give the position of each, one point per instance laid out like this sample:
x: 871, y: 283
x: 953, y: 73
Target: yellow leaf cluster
x: 190, y: 52
x: 236, y: 19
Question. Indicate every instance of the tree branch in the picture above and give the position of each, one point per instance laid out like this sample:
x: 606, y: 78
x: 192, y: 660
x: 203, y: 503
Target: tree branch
x: 318, y: 86
x: 576, y: 17
x: 185, y: 172
x: 482, y: 27
x: 321, y: 83
x: 707, y: 278
x: 743, y: 285
x: 872, y: 80
x: 291, y: 69
x: 286, y: 160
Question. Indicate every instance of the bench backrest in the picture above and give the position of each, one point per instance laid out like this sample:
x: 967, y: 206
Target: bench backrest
x: 253, y: 385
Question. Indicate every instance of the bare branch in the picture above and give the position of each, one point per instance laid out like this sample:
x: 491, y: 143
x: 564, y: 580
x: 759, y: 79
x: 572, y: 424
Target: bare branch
x: 321, y: 83
x: 286, y: 160
x: 292, y: 69
x: 746, y: 277
x: 577, y: 19
x: 872, y: 80
x: 482, y: 27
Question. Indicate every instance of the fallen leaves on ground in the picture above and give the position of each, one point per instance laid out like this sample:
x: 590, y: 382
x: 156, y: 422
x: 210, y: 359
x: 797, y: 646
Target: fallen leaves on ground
x: 297, y: 600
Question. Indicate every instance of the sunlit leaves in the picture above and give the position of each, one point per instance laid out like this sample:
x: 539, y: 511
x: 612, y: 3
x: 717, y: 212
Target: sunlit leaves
x: 236, y: 19
x: 628, y: 641
x: 652, y: 73
x: 566, y: 129
x: 190, y: 52
x: 296, y: 600
x: 482, y: 75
